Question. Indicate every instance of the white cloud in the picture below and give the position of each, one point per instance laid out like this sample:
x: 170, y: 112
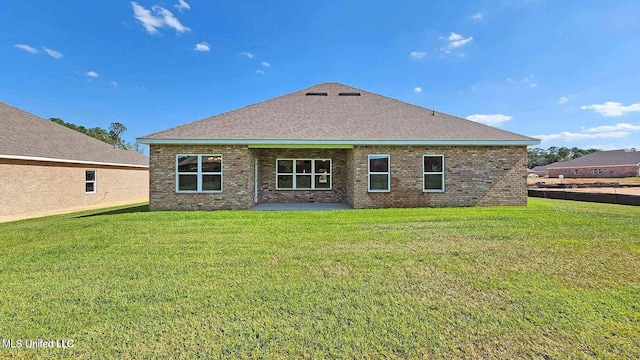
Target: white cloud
x: 619, y: 130
x: 160, y: 18
x: 417, y: 89
x: 182, y: 5
x: 259, y: 72
x: 611, y: 108
x: 417, y: 54
x: 569, y: 136
x: 248, y: 54
x: 92, y: 74
x: 563, y: 100
x: 203, y: 46
x: 265, y: 64
x: 477, y: 16
x: 26, y: 48
x: 455, y: 41
x: 170, y: 20
x: 616, y: 127
x: 54, y: 54
x: 114, y: 83
x: 148, y: 20
x: 492, y: 120
x: 454, y: 37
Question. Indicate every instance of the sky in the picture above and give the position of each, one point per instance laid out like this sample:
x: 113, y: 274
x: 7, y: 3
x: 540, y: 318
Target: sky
x: 566, y: 72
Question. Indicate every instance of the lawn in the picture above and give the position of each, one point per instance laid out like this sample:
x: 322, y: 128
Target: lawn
x: 551, y: 280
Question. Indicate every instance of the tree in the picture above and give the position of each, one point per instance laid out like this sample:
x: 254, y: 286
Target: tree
x: 541, y: 157
x: 115, y: 130
x: 113, y: 136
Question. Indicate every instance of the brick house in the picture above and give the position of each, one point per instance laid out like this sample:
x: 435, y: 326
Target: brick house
x: 601, y: 164
x: 333, y: 143
x: 47, y: 168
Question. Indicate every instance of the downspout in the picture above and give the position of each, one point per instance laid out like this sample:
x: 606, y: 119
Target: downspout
x: 255, y: 181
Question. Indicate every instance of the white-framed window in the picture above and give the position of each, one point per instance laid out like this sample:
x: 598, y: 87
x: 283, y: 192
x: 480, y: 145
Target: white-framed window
x: 433, y: 173
x: 379, y: 176
x: 90, y: 182
x: 303, y: 174
x: 199, y: 173
x: 597, y: 171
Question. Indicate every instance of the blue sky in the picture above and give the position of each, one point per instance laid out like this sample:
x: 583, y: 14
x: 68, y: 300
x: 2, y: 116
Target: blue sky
x: 565, y: 71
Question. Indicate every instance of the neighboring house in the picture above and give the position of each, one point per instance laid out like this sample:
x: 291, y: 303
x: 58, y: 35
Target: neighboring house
x: 606, y: 164
x: 541, y: 171
x: 333, y: 143
x: 47, y: 168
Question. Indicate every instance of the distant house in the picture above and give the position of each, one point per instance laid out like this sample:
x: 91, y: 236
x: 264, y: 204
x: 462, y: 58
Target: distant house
x: 540, y: 171
x: 605, y: 164
x: 333, y: 143
x: 46, y: 167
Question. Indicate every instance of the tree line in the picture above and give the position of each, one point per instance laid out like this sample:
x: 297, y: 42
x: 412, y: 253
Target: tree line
x: 111, y: 136
x: 542, y: 157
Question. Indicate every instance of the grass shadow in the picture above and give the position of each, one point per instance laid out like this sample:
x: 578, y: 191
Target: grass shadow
x: 126, y: 210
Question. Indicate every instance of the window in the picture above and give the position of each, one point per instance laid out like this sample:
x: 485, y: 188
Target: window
x: 303, y: 174
x: 199, y: 173
x: 90, y: 182
x: 597, y: 171
x: 433, y: 173
x: 575, y: 172
x: 379, y: 173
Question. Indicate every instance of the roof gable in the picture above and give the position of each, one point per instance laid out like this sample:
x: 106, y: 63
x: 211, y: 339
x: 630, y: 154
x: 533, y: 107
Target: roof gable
x: 332, y: 112
x: 26, y: 136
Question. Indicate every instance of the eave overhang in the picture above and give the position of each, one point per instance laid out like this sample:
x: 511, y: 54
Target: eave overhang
x: 257, y: 143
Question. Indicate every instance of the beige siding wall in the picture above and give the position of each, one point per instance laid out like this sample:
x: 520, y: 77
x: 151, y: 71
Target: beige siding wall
x: 473, y: 176
x: 237, y: 179
x: 35, y: 187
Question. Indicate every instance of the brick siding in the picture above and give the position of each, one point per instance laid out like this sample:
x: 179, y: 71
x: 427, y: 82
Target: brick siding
x: 35, y: 187
x: 485, y: 175
x: 587, y: 172
x: 237, y: 179
x: 473, y: 176
x: 267, y: 192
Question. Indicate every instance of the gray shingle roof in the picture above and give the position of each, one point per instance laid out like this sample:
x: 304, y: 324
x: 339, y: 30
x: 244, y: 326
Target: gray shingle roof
x: 365, y: 118
x: 25, y: 135
x: 602, y: 158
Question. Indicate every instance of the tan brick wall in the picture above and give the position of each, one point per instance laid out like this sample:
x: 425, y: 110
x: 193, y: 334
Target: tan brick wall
x: 587, y: 172
x: 267, y: 192
x: 473, y: 176
x: 237, y: 179
x: 31, y: 187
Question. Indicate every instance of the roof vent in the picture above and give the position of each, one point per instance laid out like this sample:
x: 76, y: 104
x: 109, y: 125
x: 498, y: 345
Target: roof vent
x: 316, y: 94
x: 349, y: 94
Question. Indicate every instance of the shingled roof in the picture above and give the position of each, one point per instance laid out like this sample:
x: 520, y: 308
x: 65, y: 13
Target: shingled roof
x: 28, y: 137
x: 601, y: 158
x: 333, y: 113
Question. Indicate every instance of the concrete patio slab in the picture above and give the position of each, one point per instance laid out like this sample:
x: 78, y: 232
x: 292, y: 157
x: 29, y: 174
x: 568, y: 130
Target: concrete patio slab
x: 301, y: 206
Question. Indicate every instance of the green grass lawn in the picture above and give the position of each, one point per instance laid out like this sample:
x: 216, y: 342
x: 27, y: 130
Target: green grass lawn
x: 554, y: 279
